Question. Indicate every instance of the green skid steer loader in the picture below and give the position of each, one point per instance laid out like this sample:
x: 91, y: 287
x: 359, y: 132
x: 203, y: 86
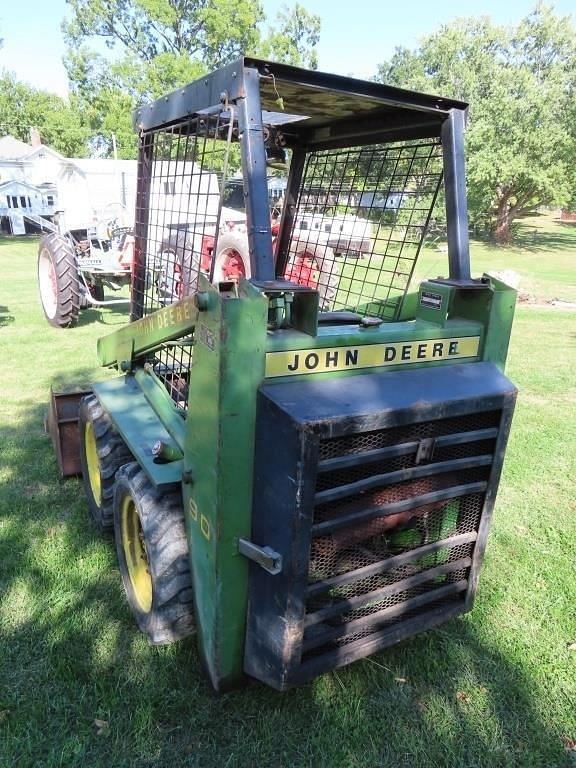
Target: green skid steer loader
x: 300, y: 456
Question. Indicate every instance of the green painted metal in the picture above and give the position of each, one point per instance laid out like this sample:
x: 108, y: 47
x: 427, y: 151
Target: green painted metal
x: 408, y: 308
x: 163, y: 405
x: 131, y: 341
x: 493, y: 307
x: 341, y: 335
x: 499, y: 322
x: 219, y: 454
x: 436, y: 315
x: 140, y: 427
x: 443, y: 311
x: 352, y: 337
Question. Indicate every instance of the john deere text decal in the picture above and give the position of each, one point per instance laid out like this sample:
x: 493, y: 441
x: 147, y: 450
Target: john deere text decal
x: 302, y: 361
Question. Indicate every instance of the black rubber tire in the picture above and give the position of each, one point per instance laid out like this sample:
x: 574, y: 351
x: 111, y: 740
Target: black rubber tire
x: 322, y: 255
x: 234, y: 240
x: 61, y: 304
x: 97, y: 292
x: 84, y: 303
x: 111, y: 453
x: 187, y: 260
x: 161, y: 534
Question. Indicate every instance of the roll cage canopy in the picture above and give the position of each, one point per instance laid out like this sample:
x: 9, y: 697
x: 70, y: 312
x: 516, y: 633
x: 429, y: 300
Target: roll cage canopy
x: 316, y: 109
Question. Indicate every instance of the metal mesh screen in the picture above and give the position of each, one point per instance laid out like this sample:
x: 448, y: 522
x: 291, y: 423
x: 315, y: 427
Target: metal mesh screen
x: 386, y: 542
x: 360, y: 222
x: 181, y: 173
x: 361, y: 218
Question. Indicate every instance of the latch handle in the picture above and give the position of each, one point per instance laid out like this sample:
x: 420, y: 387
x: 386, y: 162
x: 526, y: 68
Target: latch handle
x: 266, y: 557
x: 425, y: 449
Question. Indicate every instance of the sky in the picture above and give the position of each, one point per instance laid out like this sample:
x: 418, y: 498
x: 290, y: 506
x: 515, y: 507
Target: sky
x: 355, y: 36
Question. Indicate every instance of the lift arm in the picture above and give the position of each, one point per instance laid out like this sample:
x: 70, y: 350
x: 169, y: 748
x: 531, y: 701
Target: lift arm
x: 125, y: 345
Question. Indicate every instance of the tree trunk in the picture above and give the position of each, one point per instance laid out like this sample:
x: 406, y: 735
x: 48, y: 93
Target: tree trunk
x: 504, y: 219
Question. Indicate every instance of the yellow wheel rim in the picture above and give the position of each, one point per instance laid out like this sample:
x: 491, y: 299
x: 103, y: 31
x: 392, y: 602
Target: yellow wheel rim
x: 93, y: 463
x: 135, y: 554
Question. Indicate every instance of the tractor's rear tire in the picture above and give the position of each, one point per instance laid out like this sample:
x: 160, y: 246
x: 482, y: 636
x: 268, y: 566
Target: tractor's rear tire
x: 153, y: 556
x: 102, y: 453
x: 323, y: 260
x: 232, y: 261
x: 58, y: 281
x: 180, y: 268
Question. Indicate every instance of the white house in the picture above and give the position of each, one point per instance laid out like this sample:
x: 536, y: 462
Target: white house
x: 37, y: 184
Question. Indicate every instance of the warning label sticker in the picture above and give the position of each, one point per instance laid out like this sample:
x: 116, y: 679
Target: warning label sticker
x: 431, y: 300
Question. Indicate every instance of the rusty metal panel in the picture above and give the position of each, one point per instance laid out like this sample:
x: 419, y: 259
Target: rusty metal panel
x: 62, y: 425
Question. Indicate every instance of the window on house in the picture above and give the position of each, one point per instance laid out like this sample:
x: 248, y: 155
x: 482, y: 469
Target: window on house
x: 169, y: 187
x: 50, y: 199
x: 14, y: 201
x: 22, y: 201
x: 8, y: 201
x: 29, y: 203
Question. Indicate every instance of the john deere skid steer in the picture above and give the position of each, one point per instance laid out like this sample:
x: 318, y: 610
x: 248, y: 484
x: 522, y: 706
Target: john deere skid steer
x: 300, y: 456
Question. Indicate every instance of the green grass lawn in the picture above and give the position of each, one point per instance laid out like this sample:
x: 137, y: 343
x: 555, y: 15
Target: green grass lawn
x: 544, y: 256
x: 79, y: 686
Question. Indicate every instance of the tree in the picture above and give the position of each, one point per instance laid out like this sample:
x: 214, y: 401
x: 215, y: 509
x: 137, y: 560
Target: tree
x: 59, y: 123
x: 212, y: 31
x: 520, y: 83
x: 294, y: 40
x: 155, y: 46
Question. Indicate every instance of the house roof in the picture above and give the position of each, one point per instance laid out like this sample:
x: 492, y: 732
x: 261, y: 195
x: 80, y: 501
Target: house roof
x: 19, y: 183
x: 43, y: 149
x: 13, y: 149
x: 103, y: 165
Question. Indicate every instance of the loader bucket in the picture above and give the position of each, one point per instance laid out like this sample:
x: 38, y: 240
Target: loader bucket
x: 62, y: 425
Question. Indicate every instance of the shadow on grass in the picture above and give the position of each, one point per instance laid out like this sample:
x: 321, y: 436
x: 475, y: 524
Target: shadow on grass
x: 535, y: 239
x: 79, y: 686
x: 114, y: 315
x: 5, y: 317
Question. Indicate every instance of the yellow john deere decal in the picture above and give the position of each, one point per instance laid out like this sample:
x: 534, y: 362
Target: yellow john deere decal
x: 301, y: 361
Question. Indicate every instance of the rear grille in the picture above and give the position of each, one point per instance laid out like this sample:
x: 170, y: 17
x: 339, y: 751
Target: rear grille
x: 361, y: 443
x: 377, y: 491
x: 392, y: 538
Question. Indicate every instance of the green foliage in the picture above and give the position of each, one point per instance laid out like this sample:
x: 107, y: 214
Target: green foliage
x: 213, y: 31
x: 152, y: 47
x: 106, y: 108
x: 294, y: 39
x: 61, y: 124
x: 520, y: 84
